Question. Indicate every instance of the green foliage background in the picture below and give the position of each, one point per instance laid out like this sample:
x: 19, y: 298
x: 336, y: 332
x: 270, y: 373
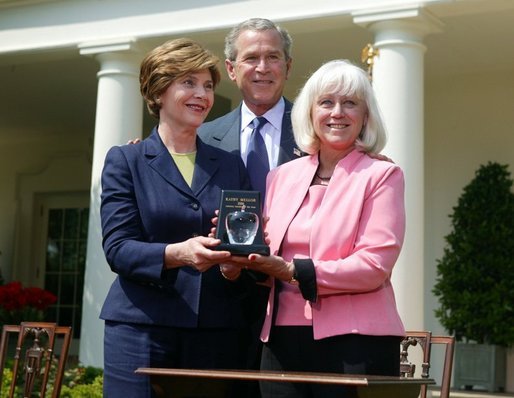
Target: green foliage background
x: 78, y: 382
x: 475, y: 276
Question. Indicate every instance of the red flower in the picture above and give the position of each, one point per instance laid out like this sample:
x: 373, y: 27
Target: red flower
x: 39, y: 298
x: 19, y: 304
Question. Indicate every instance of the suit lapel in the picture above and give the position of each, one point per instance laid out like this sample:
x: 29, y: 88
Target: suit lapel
x: 206, y: 166
x: 292, y: 191
x: 159, y: 159
x: 227, y: 135
x: 337, y: 193
x: 288, y: 150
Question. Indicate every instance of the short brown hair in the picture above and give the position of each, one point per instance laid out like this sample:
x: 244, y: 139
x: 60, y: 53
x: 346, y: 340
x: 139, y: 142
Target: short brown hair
x: 170, y: 61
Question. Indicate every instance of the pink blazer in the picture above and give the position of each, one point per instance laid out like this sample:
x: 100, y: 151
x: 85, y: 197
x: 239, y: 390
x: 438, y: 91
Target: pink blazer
x: 355, y: 241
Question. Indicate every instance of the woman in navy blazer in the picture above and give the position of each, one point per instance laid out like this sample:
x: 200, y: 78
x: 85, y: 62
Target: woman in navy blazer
x: 170, y: 304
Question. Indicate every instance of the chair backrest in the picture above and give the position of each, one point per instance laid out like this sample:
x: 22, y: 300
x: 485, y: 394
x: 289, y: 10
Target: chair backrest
x: 449, y: 342
x: 407, y: 368
x: 34, y: 356
x: 425, y: 340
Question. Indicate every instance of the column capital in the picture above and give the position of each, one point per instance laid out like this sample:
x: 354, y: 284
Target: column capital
x: 120, y: 56
x: 108, y: 46
x: 415, y: 22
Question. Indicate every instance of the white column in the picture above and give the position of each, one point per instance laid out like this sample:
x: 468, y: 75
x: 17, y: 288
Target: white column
x: 398, y: 76
x: 119, y: 117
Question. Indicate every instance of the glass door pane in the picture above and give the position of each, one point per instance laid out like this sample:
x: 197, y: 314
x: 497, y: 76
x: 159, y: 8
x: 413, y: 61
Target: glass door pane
x: 65, y: 264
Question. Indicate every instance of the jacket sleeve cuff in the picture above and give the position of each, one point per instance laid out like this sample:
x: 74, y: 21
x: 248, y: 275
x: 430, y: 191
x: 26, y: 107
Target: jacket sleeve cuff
x: 305, y: 274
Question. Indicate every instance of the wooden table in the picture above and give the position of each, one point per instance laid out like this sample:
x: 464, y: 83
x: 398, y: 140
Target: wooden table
x: 182, y: 383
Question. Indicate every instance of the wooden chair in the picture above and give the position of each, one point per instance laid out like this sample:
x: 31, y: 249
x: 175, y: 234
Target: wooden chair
x: 34, y: 354
x: 426, y: 340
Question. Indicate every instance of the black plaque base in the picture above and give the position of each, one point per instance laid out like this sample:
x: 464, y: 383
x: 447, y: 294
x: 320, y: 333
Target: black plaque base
x: 244, y: 250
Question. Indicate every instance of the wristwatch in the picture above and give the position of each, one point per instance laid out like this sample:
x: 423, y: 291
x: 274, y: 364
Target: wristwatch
x: 293, y: 280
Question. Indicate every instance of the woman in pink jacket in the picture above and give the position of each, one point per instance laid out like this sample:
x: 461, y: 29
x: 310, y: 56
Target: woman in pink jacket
x: 336, y: 227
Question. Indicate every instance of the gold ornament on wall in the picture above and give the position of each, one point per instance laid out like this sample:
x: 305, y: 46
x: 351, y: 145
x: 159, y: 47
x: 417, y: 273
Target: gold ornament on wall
x: 368, y: 55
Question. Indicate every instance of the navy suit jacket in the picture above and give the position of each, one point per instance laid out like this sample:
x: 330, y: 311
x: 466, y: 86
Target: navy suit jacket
x: 224, y: 132
x: 146, y: 204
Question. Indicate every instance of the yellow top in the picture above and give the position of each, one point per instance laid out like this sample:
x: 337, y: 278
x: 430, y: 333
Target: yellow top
x: 186, y: 165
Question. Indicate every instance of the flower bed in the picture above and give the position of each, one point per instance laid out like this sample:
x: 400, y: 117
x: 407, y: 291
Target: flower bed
x: 19, y: 304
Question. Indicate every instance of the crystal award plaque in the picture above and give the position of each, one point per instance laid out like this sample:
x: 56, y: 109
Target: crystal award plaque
x: 240, y: 223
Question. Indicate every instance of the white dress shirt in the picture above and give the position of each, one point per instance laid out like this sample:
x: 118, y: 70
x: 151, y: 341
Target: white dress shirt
x: 270, y: 132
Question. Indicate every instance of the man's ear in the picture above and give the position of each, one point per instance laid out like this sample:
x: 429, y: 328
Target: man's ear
x: 288, y: 67
x: 230, y: 70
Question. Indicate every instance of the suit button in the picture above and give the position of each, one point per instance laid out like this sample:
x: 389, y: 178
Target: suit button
x: 195, y: 206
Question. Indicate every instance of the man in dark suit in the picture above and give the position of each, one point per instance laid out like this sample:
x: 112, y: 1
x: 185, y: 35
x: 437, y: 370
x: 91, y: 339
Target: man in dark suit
x: 258, y: 60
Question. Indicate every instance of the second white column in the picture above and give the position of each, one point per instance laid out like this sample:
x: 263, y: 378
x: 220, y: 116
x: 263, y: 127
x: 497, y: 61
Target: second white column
x: 398, y: 77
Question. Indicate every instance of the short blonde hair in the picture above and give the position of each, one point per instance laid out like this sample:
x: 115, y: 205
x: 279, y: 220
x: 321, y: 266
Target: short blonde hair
x: 170, y: 61
x: 338, y: 76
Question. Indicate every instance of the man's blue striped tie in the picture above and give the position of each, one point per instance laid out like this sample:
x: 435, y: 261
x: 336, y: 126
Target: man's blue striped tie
x: 257, y: 162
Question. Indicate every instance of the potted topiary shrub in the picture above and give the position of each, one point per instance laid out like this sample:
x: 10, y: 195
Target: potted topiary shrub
x: 475, y: 279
